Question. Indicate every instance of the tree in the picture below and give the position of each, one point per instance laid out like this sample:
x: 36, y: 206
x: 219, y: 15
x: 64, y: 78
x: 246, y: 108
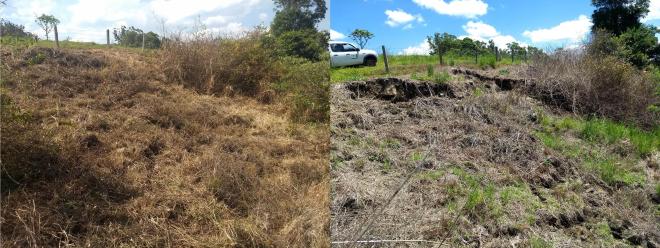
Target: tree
x: 491, y: 46
x: 132, y: 37
x: 637, y: 45
x: 294, y: 29
x: 46, y: 22
x: 361, y: 36
x: 297, y: 15
x: 514, y: 48
x: 535, y: 52
x: 440, y: 44
x: 617, y: 16
x: 8, y: 28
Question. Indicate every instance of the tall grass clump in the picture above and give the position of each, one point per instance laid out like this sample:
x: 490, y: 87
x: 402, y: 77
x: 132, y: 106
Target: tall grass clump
x: 220, y: 65
x: 595, y: 85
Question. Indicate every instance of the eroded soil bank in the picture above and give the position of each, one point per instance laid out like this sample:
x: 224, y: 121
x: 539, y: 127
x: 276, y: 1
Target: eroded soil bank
x: 483, y: 175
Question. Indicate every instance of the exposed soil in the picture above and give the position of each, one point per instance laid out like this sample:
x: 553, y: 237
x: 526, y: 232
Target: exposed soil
x: 480, y: 175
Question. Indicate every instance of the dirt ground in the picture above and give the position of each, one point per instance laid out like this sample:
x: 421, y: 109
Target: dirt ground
x: 105, y: 151
x: 480, y: 177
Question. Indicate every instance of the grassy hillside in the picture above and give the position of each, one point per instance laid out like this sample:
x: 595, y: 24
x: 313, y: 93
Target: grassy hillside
x: 401, y: 65
x: 104, y: 147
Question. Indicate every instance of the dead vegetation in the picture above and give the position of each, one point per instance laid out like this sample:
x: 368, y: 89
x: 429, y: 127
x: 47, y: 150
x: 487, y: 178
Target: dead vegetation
x: 493, y: 170
x: 101, y: 148
x: 595, y: 85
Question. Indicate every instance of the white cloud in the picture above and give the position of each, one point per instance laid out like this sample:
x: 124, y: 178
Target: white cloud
x: 654, y: 11
x: 483, y: 32
x: 480, y: 29
x: 399, y: 17
x: 420, y: 49
x: 92, y: 11
x: 334, y: 35
x: 232, y: 28
x: 464, y: 8
x: 263, y: 16
x: 87, y: 20
x: 176, y: 10
x: 213, y: 20
x: 573, y: 31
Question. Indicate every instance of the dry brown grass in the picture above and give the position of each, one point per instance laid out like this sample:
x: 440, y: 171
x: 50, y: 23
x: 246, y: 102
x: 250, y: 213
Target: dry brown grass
x: 137, y: 161
x: 215, y: 65
x: 595, y: 85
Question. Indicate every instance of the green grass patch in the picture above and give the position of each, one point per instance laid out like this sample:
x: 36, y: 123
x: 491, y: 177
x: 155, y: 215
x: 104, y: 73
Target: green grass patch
x: 413, y: 64
x: 611, y: 168
x: 538, y: 242
x: 603, y: 131
x: 433, y: 175
x: 603, y: 231
x: 24, y: 42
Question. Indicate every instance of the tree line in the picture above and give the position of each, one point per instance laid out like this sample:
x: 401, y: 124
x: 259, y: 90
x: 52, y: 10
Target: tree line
x: 442, y: 44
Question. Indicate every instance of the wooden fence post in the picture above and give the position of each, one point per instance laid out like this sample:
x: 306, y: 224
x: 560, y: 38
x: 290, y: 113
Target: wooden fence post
x: 476, y: 56
x: 387, y: 67
x: 512, y: 56
x: 57, y: 40
x: 107, y: 37
x: 142, y: 41
x: 497, y: 54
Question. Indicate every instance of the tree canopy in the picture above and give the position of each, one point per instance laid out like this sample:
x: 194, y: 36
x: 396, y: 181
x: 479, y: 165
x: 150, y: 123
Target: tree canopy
x: 618, y: 30
x: 294, y: 28
x: 132, y: 37
x: 8, y: 28
x: 46, y: 22
x: 297, y: 15
x: 361, y: 37
x: 617, y: 16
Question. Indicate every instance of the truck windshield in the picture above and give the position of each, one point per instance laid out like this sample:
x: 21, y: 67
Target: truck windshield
x: 343, y: 47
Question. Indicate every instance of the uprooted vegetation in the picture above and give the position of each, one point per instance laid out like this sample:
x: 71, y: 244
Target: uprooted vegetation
x: 493, y: 163
x: 109, y: 147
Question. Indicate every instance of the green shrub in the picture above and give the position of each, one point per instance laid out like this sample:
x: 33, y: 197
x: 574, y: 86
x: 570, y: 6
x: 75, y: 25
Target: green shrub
x: 309, y: 44
x: 307, y: 86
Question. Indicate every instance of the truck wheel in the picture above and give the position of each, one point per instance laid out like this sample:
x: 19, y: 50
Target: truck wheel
x: 370, y: 61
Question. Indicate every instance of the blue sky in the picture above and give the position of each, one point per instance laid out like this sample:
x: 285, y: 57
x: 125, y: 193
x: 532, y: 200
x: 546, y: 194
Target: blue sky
x: 87, y: 20
x: 402, y: 25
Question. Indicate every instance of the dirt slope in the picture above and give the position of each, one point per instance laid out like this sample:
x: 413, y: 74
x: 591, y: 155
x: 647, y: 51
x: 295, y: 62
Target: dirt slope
x: 137, y: 161
x: 482, y: 177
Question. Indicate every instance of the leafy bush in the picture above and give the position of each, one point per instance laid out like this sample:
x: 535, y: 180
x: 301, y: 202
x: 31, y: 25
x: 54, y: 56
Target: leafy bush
x: 308, y: 86
x: 309, y: 44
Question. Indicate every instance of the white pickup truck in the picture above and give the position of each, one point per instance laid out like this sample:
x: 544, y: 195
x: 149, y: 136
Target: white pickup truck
x: 347, y: 54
